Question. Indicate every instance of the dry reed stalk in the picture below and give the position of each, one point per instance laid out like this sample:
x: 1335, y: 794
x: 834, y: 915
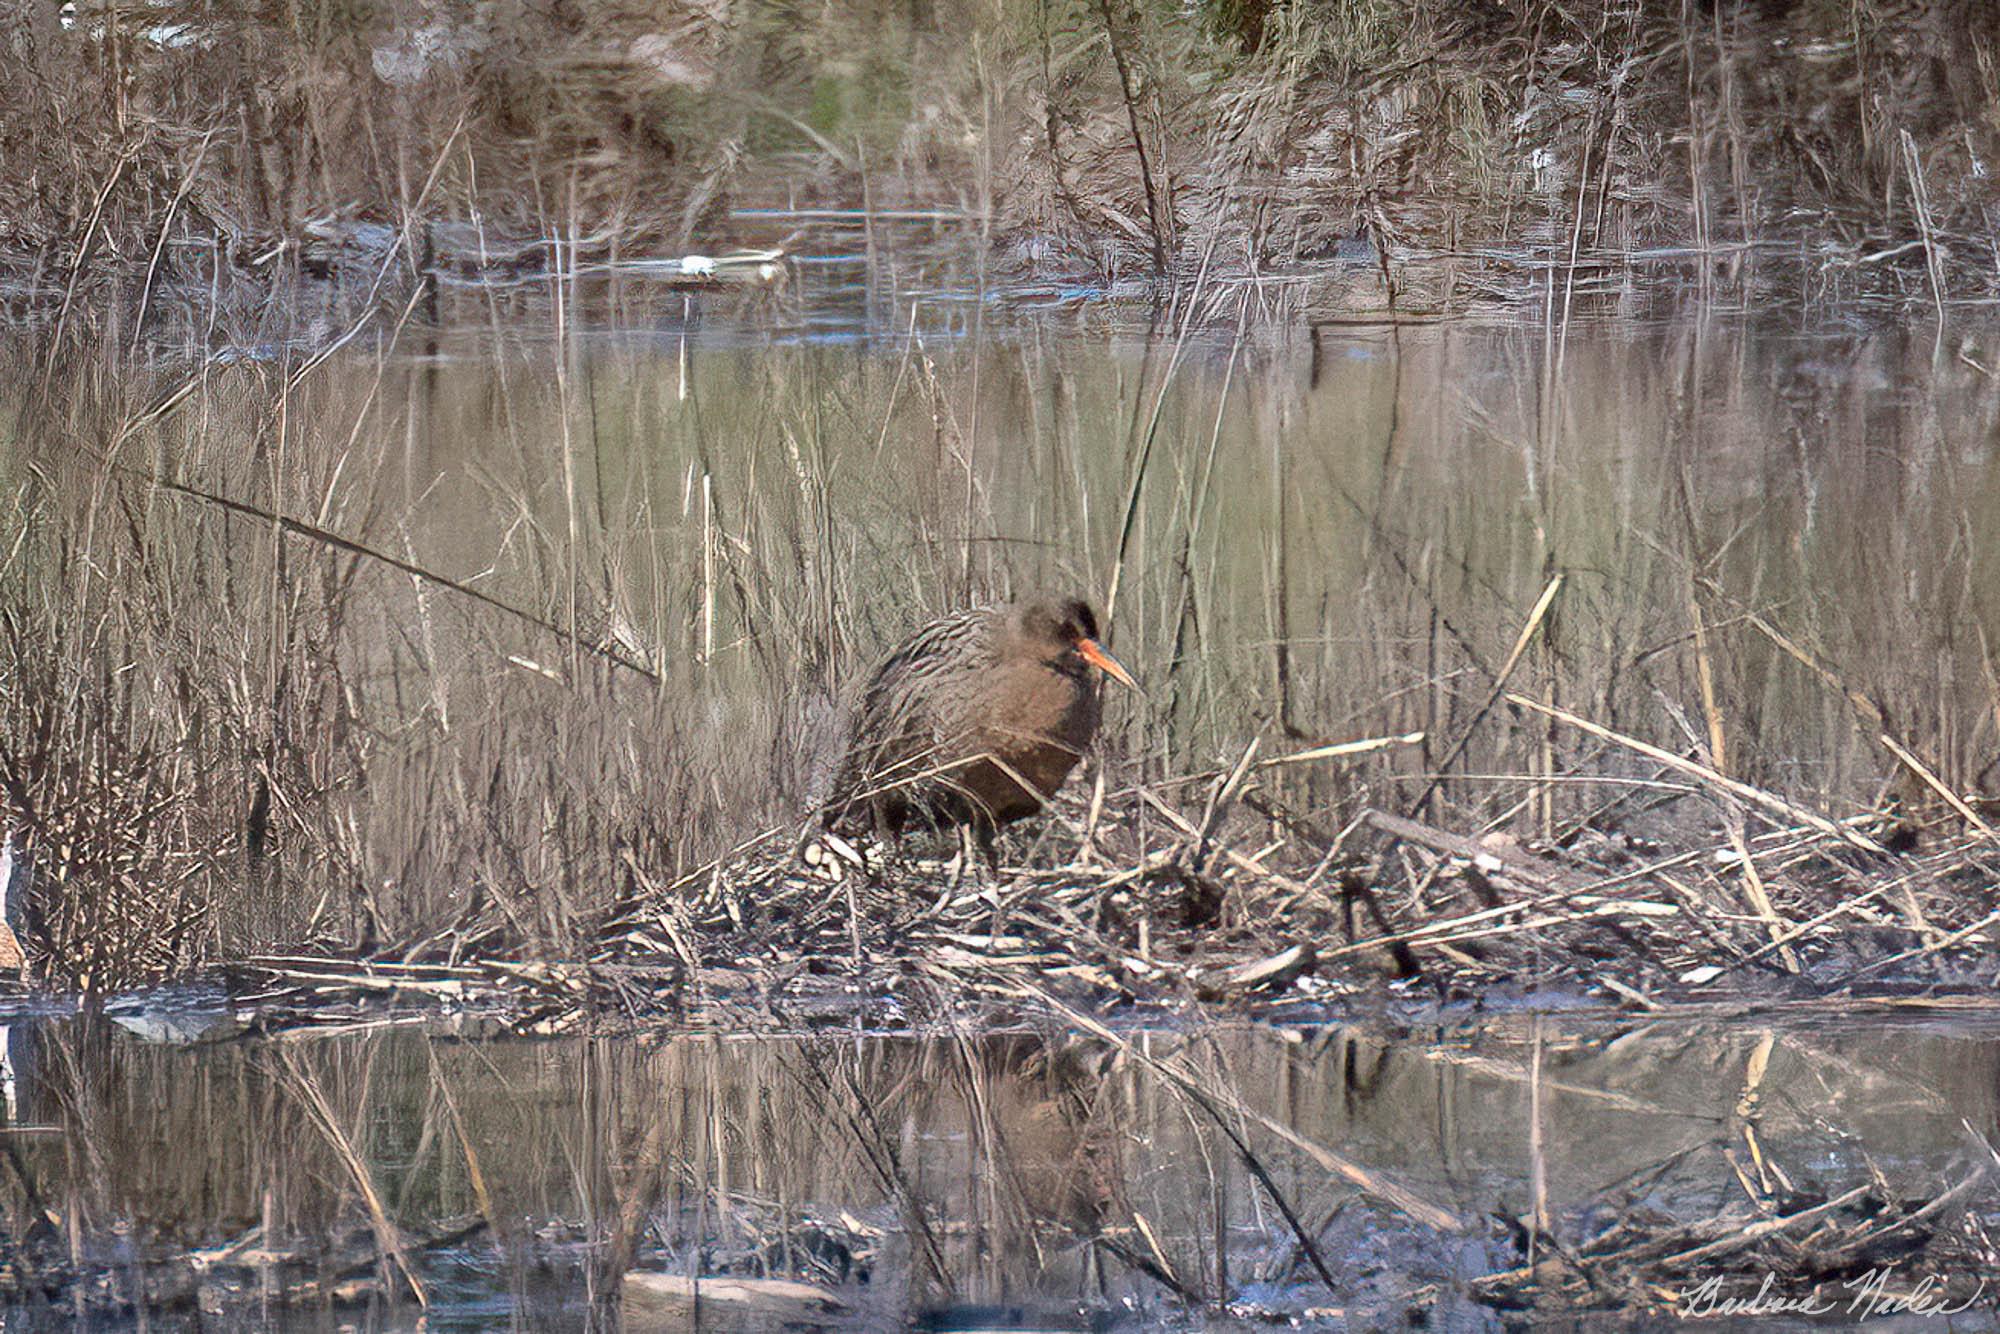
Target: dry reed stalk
x: 1215, y: 1100
x: 1129, y: 512
x: 181, y: 192
x: 1749, y: 1106
x: 1512, y: 1072
x: 324, y: 537
x: 1539, y: 1218
x: 1937, y: 785
x: 1703, y: 774
x: 1983, y: 926
x: 1457, y: 747
x: 1159, y: 230
x: 1752, y: 1233
x: 1920, y: 202
x: 1492, y: 863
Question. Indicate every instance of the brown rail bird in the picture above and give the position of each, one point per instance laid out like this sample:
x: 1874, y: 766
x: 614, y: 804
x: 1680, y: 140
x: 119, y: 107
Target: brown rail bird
x: 971, y: 723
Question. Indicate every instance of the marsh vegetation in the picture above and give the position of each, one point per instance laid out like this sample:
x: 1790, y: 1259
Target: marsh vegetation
x: 1536, y: 460
x: 1820, y: 148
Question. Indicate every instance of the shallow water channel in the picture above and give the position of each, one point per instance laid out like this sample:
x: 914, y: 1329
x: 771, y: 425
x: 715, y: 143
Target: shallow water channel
x: 948, y: 1179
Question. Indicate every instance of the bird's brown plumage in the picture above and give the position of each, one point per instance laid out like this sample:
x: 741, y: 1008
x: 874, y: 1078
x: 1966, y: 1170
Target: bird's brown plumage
x: 974, y: 721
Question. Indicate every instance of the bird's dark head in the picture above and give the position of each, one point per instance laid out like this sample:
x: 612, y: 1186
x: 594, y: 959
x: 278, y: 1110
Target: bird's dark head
x: 1064, y: 630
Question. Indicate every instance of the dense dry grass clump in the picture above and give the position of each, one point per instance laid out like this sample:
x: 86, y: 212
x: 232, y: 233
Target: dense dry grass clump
x: 1284, y: 133
x: 1082, y: 136
x: 226, y: 727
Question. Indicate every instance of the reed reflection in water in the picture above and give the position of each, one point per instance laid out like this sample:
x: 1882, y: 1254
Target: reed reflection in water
x: 511, y: 1180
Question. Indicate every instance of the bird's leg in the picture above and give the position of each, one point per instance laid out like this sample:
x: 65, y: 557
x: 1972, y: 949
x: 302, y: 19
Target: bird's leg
x: 884, y: 854
x: 962, y: 861
x: 983, y: 834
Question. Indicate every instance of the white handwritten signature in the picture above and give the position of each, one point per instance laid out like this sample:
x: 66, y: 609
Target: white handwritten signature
x: 1869, y: 1296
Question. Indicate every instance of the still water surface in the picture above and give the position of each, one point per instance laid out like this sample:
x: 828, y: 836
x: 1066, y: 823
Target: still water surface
x: 923, y: 1177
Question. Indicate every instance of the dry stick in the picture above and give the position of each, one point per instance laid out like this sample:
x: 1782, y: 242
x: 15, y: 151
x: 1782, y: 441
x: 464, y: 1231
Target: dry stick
x: 1235, y: 858
x: 1457, y: 748
x: 1528, y: 926
x: 325, y: 537
x: 1942, y: 1202
x: 1496, y: 1069
x: 174, y: 397
x: 1538, y: 1165
x: 83, y: 247
x: 1220, y: 801
x: 1805, y: 928
x: 1197, y: 502
x: 1868, y: 710
x: 474, y: 1176
x: 1711, y: 708
x: 560, y: 311
x: 160, y: 246
x: 1932, y: 781
x: 1861, y: 703
x: 1338, y: 750
x: 1756, y: 1232
x: 1702, y: 773
x: 1920, y: 201
x: 1138, y: 143
x: 1965, y: 933
x: 1458, y: 846
x: 401, y: 244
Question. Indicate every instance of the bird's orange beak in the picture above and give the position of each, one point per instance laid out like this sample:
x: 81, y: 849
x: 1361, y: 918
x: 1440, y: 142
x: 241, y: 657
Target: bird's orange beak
x: 1094, y: 654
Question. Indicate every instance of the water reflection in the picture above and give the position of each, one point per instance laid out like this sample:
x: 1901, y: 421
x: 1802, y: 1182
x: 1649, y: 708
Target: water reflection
x: 1077, y: 1178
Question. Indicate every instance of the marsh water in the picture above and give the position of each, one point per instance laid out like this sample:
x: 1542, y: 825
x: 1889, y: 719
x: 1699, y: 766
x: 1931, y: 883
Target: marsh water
x: 945, y: 1178
x: 1320, y: 531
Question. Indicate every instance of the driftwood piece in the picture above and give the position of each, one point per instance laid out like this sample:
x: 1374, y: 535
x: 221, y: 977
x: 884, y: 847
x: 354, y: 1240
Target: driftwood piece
x: 675, y: 1301
x: 1275, y: 973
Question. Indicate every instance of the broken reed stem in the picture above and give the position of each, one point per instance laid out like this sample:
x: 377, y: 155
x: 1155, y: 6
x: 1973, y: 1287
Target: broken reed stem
x: 1753, y: 890
x: 1932, y: 781
x: 1870, y: 713
x: 307, y: 1087
x: 1756, y: 1232
x: 1920, y: 202
x: 1457, y: 748
x: 1701, y: 772
x: 1860, y: 702
x: 1718, y: 753
x: 327, y: 538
